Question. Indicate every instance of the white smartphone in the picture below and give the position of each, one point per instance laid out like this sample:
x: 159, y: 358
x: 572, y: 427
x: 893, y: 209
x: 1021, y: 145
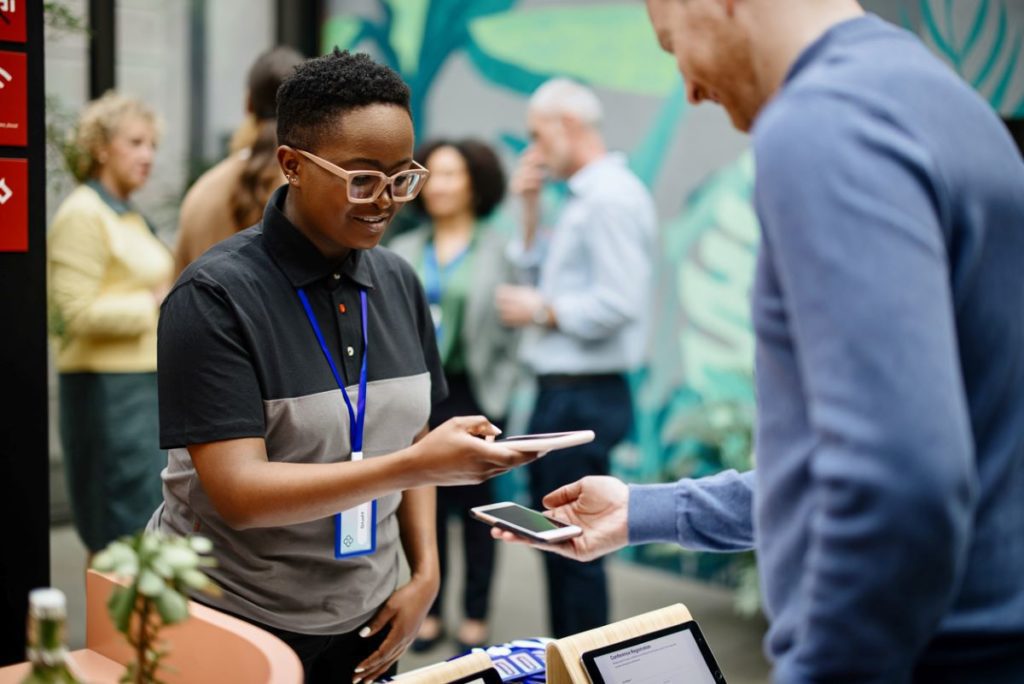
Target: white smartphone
x: 525, y: 522
x: 548, y: 441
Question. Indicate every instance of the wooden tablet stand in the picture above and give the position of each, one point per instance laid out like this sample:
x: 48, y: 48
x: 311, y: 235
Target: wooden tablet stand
x: 563, y: 656
x: 450, y: 671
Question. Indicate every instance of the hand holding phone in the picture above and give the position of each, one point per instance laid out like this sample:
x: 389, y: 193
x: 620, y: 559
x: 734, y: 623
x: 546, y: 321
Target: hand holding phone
x: 525, y: 522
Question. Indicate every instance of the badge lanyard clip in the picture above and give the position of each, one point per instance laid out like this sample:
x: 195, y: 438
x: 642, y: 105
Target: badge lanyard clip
x: 355, y: 530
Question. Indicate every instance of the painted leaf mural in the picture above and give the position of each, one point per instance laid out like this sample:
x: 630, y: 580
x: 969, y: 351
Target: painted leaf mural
x: 695, y: 402
x: 611, y: 46
x: 977, y: 38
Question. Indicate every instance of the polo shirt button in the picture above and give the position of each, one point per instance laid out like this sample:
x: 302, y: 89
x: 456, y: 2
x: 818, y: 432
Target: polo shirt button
x: 337, y: 276
x: 350, y: 351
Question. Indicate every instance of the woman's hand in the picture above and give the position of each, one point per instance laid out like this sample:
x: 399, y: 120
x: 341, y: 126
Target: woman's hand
x: 462, y: 451
x: 403, y: 613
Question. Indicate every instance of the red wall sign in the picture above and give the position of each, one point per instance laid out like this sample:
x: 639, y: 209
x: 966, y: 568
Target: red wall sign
x: 12, y: 20
x: 13, y: 99
x: 13, y: 205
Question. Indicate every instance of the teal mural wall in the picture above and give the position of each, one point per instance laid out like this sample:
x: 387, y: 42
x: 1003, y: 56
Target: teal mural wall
x: 471, y: 66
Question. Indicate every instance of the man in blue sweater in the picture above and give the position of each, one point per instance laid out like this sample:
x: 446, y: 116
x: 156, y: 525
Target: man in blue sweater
x: 887, y: 507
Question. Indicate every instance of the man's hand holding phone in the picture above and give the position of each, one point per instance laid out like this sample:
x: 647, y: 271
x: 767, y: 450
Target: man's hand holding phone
x: 598, y: 506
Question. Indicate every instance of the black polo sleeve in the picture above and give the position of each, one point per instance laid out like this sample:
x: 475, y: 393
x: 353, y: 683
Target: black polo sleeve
x: 208, y: 387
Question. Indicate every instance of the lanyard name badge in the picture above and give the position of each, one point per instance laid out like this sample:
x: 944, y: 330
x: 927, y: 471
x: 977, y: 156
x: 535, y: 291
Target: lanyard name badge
x: 355, y: 530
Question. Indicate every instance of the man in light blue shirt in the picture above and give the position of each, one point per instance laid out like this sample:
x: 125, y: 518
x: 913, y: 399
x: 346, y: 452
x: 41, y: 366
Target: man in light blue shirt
x: 587, y: 313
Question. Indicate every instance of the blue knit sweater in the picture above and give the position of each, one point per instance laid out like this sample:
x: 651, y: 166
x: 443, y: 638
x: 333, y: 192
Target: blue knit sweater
x: 887, y: 507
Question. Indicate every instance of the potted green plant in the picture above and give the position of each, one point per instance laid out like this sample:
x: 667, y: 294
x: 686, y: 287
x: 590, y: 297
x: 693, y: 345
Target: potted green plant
x: 159, y: 570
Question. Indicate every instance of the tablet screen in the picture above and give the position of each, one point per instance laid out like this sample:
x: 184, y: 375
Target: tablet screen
x: 677, y: 655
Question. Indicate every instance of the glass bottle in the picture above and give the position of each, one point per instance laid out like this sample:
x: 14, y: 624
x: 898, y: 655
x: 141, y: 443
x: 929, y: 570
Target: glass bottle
x: 47, y: 650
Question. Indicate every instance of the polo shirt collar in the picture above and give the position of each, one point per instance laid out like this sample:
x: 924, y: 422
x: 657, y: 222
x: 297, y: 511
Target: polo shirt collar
x: 117, y: 205
x: 301, y: 262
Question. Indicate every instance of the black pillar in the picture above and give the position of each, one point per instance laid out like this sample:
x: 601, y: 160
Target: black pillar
x: 197, y: 102
x: 24, y: 448
x: 298, y: 25
x: 102, y: 47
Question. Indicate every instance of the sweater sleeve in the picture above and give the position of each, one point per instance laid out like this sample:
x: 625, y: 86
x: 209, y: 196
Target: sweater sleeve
x: 79, y: 258
x: 707, y: 514
x: 851, y: 206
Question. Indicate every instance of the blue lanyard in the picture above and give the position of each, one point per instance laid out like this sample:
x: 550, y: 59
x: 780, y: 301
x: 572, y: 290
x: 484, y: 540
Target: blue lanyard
x: 356, y: 417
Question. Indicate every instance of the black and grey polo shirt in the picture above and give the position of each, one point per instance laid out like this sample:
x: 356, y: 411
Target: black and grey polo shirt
x: 238, y: 358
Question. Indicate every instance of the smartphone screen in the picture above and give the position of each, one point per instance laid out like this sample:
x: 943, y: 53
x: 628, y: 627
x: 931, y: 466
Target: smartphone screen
x: 526, y: 518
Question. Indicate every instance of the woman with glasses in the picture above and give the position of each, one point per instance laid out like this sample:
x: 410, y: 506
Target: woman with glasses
x: 460, y: 258
x: 298, y: 370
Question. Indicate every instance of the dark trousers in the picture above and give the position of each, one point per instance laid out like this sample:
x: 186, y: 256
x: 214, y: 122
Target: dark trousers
x: 577, y: 592
x: 109, y: 430
x: 327, y: 659
x: 477, y: 544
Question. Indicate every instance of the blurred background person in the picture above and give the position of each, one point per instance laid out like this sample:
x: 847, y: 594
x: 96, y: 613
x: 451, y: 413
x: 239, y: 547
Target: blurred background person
x: 587, y: 314
x: 231, y: 195
x: 461, y: 260
x: 108, y: 273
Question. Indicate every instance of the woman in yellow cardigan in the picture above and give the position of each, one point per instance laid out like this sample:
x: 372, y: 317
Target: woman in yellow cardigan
x: 108, y: 274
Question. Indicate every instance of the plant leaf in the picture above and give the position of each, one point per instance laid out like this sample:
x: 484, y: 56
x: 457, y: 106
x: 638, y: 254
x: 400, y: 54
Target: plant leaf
x: 194, y: 579
x: 179, y: 557
x: 151, y: 584
x: 120, y: 606
x: 200, y: 544
x: 160, y: 567
x: 173, y: 607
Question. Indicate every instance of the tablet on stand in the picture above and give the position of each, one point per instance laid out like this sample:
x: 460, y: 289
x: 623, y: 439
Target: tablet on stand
x: 566, y: 658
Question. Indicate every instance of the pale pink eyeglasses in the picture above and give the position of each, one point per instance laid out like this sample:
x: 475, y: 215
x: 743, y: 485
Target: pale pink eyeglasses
x: 364, y: 187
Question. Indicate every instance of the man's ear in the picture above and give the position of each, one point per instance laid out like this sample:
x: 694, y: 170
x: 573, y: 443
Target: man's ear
x: 288, y: 159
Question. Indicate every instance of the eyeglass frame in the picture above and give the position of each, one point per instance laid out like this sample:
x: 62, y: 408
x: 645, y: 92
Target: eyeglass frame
x: 385, y: 181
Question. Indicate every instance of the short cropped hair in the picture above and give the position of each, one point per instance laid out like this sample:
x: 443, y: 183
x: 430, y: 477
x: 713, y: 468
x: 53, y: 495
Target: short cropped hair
x: 486, y: 176
x: 309, y: 101
x: 565, y: 96
x: 97, y: 125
